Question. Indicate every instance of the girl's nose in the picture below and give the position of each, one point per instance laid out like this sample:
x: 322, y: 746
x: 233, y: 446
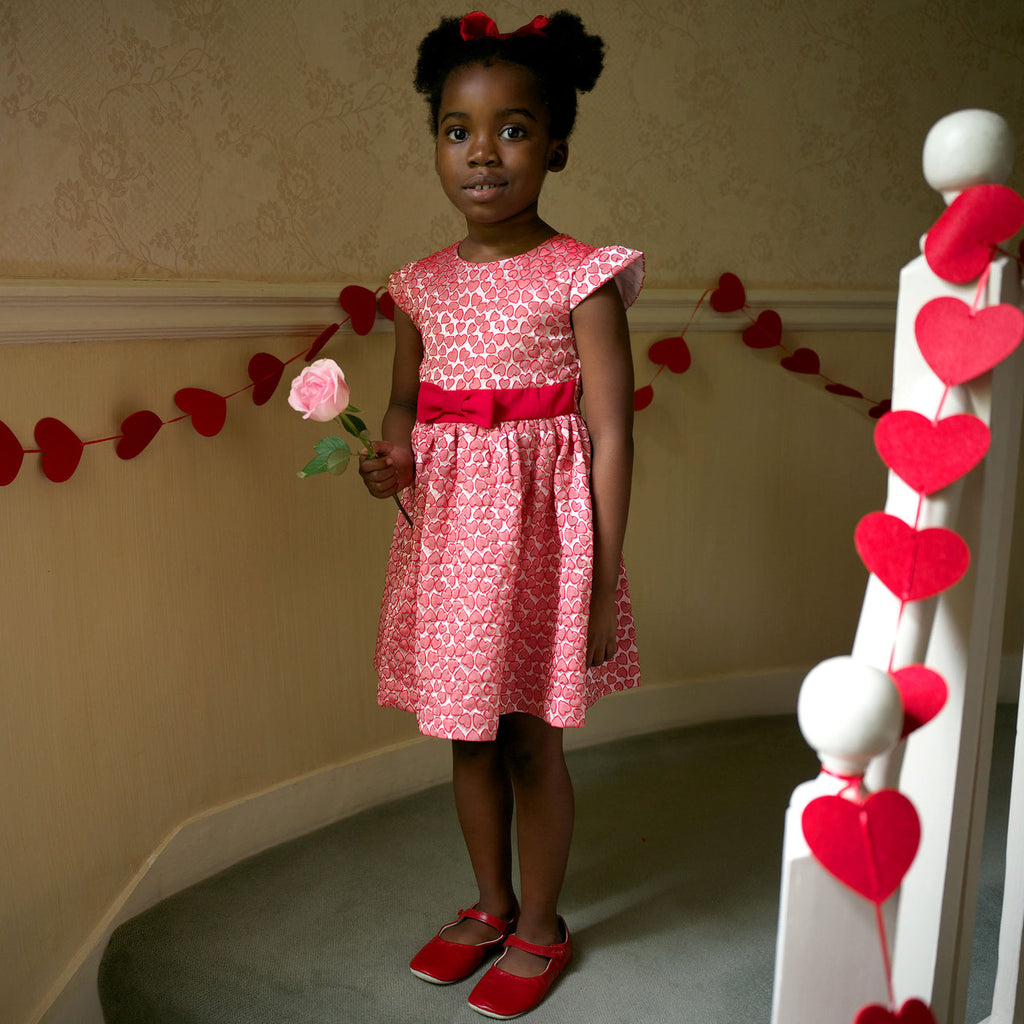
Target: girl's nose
x: 482, y: 152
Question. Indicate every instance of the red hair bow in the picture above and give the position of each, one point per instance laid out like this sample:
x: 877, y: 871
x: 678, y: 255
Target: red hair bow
x: 480, y: 26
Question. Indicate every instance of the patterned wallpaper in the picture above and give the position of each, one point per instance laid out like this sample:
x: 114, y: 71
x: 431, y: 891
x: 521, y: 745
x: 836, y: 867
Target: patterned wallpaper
x: 282, y: 140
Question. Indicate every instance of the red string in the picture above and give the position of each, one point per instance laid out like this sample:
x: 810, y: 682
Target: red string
x: 886, y: 957
x: 886, y: 960
x: 979, y: 291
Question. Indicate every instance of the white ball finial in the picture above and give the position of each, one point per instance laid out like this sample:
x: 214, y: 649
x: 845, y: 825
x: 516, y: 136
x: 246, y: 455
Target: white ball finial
x: 968, y: 147
x: 849, y: 712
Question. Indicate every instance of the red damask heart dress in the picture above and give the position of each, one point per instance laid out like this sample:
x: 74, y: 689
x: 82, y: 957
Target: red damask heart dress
x: 487, y: 594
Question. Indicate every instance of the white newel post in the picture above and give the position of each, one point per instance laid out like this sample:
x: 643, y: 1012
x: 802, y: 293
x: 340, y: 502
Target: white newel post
x: 828, y: 960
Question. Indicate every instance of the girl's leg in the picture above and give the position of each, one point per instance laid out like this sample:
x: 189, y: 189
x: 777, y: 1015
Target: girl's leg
x: 483, y: 800
x: 545, y: 809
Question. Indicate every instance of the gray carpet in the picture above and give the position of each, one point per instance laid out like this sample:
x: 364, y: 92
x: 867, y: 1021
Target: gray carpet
x: 671, y: 897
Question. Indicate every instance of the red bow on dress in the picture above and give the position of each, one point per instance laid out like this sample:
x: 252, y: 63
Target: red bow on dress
x: 479, y: 26
x: 434, y: 403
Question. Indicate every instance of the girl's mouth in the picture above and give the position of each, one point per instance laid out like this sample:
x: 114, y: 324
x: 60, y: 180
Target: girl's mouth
x: 484, y: 190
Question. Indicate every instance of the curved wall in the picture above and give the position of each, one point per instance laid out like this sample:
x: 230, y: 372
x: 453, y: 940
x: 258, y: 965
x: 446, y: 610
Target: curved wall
x: 193, y: 627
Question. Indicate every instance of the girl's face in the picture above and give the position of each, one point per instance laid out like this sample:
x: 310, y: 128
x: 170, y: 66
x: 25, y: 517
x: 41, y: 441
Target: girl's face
x: 493, y: 146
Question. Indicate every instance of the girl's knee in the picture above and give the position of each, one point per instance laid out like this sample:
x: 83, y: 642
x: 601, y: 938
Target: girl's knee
x: 471, y: 752
x: 532, y: 749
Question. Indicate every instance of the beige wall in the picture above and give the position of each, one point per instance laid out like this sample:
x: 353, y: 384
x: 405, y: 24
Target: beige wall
x: 196, y: 625
x: 213, y: 138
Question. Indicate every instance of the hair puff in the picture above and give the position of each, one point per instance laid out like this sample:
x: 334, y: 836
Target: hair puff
x: 565, y: 60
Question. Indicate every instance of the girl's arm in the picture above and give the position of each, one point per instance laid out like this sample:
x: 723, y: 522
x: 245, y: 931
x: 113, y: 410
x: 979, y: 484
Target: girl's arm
x: 602, y: 339
x: 392, y: 470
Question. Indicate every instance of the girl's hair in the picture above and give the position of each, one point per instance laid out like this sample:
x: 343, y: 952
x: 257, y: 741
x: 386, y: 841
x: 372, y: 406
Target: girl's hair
x: 563, y: 60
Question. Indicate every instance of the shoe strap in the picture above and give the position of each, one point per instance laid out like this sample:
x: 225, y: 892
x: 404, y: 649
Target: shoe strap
x: 555, y: 952
x: 497, y: 923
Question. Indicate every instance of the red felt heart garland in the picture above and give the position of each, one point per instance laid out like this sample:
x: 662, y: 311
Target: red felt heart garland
x: 913, y: 1011
x: 643, y: 397
x: 207, y: 409
x: 765, y: 331
x: 923, y: 693
x: 265, y: 372
x: 930, y: 455
x: 137, y: 431
x: 61, y: 449
x: 361, y: 305
x: 803, y: 360
x: 961, y: 243
x: 869, y: 845
x: 672, y: 353
x: 913, y: 564
x: 959, y: 343
x: 11, y: 455
x: 322, y: 338
x: 729, y: 295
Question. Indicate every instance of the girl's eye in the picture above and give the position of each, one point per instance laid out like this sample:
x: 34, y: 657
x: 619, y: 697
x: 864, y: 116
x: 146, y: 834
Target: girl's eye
x: 457, y: 134
x: 513, y: 131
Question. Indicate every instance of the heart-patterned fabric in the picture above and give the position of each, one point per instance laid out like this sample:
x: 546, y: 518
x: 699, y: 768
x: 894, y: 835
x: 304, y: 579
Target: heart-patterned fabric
x: 486, y: 596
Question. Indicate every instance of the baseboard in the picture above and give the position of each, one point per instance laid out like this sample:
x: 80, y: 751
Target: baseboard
x: 220, y: 837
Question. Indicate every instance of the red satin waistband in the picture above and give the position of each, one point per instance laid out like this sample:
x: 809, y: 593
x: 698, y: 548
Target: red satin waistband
x: 489, y: 406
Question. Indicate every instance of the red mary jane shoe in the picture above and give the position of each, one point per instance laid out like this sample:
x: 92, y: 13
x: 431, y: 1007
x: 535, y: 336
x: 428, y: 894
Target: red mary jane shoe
x: 443, y: 963
x: 503, y: 996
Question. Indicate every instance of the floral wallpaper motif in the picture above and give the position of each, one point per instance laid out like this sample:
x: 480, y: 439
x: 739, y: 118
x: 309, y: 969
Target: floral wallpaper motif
x: 282, y: 139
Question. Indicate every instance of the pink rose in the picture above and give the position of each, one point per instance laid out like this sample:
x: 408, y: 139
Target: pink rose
x: 320, y: 392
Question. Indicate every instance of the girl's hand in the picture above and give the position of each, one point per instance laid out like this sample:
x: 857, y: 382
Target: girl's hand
x: 601, y: 630
x: 390, y: 472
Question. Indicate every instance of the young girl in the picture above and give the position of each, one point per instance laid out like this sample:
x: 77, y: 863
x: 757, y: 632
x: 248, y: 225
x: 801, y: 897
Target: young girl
x: 505, y: 612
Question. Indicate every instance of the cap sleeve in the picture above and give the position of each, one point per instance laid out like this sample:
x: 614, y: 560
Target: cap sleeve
x: 626, y: 266
x: 400, y: 289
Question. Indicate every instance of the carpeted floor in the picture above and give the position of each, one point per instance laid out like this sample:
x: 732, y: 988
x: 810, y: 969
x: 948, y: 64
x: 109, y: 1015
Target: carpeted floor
x: 672, y: 897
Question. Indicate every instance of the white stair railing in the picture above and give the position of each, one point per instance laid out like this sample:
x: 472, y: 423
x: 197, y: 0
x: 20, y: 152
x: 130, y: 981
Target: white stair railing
x: 829, y: 961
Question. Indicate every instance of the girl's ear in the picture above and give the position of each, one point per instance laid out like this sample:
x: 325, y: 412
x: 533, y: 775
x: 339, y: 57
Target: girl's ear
x: 558, y: 156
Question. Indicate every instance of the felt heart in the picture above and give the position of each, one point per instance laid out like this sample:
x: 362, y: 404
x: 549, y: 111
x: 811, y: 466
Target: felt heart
x: 11, y: 455
x: 61, y: 449
x: 208, y: 411
x: 265, y: 373
x: 913, y: 564
x: 321, y: 339
x: 960, y: 345
x: 642, y: 397
x: 729, y: 295
x: 386, y: 306
x: 361, y: 305
x: 137, y: 431
x: 959, y: 245
x: 868, y: 846
x: 671, y: 352
x: 913, y: 1011
x: 881, y: 409
x: 845, y: 390
x: 929, y: 456
x: 803, y: 360
x: 765, y: 331
x: 923, y: 693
